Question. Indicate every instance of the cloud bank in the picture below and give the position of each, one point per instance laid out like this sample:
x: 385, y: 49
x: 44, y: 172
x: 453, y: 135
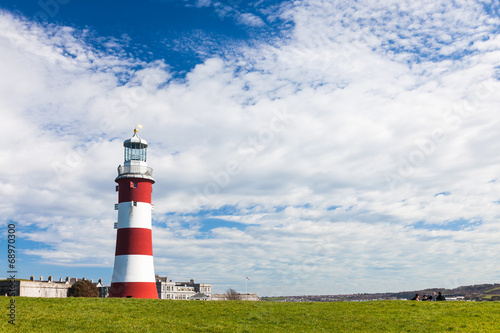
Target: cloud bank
x: 357, y: 153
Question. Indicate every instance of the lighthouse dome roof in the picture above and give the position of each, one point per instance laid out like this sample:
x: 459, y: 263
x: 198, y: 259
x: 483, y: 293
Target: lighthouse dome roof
x: 135, y: 139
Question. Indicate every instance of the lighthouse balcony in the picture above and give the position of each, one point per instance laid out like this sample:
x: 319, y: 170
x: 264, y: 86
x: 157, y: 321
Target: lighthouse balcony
x: 140, y: 171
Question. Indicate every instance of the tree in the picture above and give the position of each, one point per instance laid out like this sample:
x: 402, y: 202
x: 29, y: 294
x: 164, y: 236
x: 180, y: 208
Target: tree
x: 83, y: 288
x: 232, y: 295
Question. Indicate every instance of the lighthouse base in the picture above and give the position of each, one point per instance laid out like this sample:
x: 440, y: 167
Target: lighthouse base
x: 133, y: 290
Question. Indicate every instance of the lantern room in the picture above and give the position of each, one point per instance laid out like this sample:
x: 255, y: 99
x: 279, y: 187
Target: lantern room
x: 135, y: 148
x: 134, y: 164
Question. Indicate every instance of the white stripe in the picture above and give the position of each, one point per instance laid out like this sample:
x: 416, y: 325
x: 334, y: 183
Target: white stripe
x: 133, y: 268
x: 130, y: 216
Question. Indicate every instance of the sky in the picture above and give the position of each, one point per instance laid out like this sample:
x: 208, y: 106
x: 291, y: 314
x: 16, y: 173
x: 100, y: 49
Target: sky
x: 316, y: 147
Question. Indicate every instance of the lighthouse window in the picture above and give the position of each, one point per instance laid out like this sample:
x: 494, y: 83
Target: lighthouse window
x: 136, y: 152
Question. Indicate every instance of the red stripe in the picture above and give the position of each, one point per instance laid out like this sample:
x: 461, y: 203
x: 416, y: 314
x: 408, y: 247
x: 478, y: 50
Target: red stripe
x: 134, y: 241
x: 127, y: 193
x: 133, y: 289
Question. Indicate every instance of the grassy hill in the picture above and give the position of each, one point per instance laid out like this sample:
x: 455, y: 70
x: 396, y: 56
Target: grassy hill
x: 138, y: 315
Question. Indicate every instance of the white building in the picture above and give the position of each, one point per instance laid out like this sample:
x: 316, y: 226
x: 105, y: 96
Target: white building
x: 182, y: 290
x: 49, y: 288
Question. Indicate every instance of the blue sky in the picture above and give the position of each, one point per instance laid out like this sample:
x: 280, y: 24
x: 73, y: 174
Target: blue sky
x: 317, y: 147
x: 183, y: 33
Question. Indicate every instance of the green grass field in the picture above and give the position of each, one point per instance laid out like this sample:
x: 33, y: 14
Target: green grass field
x: 138, y: 315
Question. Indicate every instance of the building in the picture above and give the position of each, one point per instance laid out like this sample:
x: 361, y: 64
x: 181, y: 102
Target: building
x: 182, y: 290
x: 133, y: 273
x: 455, y: 298
x: 49, y: 288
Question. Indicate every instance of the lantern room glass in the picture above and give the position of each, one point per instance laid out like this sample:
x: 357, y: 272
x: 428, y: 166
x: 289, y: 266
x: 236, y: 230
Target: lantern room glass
x: 135, y: 152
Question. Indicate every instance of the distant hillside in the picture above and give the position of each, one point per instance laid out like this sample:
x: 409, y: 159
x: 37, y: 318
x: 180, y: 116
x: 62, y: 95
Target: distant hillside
x: 478, y: 292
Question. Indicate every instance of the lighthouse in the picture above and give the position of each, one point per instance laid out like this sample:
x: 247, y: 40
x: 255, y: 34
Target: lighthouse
x: 133, y: 273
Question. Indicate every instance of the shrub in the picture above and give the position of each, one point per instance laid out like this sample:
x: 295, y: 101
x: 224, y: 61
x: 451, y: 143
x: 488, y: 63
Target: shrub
x: 83, y: 288
x: 232, y: 295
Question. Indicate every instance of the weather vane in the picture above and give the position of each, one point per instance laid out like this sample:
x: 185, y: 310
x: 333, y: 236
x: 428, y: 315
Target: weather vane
x: 136, y: 128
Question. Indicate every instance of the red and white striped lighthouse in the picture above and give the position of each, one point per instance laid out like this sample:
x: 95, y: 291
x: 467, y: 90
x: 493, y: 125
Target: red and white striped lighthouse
x: 133, y: 274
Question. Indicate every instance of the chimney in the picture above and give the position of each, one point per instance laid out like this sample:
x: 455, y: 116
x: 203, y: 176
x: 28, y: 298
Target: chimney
x: 41, y: 277
x: 191, y: 281
x: 32, y: 278
x: 50, y: 278
x: 100, y: 281
x: 60, y: 279
x: 67, y: 279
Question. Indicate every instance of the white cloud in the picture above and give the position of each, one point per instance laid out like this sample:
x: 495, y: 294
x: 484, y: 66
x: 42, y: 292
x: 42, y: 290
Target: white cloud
x: 251, y: 20
x: 331, y: 144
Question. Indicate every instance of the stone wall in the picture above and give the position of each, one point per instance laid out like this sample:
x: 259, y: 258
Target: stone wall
x: 241, y: 297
